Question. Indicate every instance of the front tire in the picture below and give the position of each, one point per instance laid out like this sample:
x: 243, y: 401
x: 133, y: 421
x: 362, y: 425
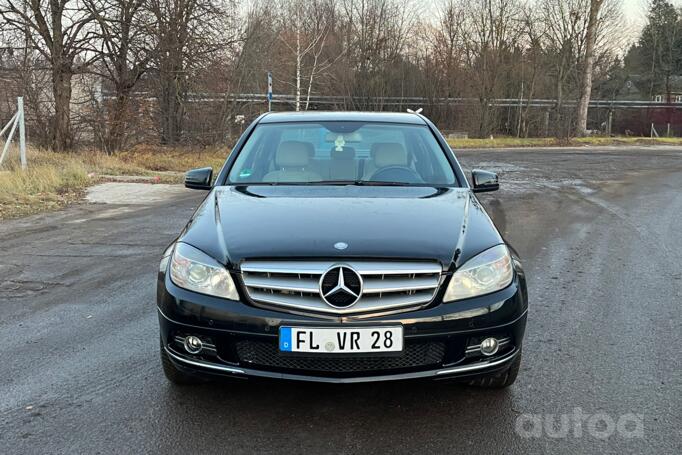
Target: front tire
x: 500, y: 380
x: 173, y: 374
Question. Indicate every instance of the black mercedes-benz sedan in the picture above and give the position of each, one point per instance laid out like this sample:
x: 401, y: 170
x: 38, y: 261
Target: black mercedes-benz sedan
x: 341, y: 247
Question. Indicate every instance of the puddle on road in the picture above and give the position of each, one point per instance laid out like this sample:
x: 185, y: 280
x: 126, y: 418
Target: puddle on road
x: 518, y: 179
x: 499, y: 167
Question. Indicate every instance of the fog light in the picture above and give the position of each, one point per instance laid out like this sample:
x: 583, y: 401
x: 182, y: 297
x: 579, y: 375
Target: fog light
x: 193, y: 344
x: 489, y: 346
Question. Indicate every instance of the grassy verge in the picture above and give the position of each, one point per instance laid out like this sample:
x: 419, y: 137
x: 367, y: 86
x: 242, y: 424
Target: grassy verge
x: 509, y: 142
x: 160, y: 159
x: 42, y: 186
x: 53, y: 180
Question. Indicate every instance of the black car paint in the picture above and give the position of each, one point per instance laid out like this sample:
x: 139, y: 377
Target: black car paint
x: 199, y: 179
x: 484, y: 181
x: 236, y: 222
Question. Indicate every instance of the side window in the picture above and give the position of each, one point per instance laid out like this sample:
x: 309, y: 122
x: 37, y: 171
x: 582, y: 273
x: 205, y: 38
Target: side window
x: 256, y: 160
x: 423, y: 162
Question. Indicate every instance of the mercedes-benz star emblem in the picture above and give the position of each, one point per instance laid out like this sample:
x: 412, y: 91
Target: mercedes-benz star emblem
x: 341, y: 245
x: 340, y: 286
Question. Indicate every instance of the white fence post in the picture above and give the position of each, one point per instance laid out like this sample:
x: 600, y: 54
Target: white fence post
x: 22, y: 132
x: 654, y: 133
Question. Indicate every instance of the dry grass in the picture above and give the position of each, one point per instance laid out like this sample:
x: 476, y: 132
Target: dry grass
x: 173, y: 160
x: 50, y: 182
x: 627, y: 140
x: 509, y: 142
x: 53, y: 180
x: 499, y: 142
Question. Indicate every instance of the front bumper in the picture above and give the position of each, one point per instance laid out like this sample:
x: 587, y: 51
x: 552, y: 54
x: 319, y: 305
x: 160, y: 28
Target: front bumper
x: 436, y: 338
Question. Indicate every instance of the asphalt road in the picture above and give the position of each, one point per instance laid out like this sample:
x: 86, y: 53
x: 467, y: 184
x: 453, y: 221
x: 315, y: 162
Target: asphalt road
x: 600, y: 232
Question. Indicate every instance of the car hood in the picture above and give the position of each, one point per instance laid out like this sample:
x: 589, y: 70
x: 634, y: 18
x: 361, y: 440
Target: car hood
x: 423, y: 223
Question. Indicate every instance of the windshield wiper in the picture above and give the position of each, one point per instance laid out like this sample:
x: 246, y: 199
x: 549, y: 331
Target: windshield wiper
x: 358, y: 183
x: 373, y: 183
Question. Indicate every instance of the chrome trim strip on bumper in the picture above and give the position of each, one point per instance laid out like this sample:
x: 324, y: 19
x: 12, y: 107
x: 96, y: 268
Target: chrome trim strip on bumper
x: 202, y: 364
x: 420, y: 374
x: 479, y: 365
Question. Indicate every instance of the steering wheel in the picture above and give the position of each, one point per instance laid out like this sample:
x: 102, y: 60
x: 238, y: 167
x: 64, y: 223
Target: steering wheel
x: 402, y: 174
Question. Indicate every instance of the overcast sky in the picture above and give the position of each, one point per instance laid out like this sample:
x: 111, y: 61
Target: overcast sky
x: 635, y: 10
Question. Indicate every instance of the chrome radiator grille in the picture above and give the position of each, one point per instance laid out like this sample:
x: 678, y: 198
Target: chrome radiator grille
x: 382, y: 285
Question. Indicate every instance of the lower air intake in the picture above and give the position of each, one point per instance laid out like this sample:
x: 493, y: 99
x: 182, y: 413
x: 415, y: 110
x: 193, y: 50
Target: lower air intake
x: 267, y: 354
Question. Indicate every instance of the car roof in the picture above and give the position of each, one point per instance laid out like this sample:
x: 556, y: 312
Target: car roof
x: 343, y: 116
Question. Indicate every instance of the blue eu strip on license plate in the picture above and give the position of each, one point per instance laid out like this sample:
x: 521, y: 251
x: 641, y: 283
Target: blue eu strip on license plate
x: 285, y: 339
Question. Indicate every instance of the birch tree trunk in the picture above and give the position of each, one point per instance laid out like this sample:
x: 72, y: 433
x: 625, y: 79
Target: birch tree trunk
x: 586, y: 79
x: 298, y: 67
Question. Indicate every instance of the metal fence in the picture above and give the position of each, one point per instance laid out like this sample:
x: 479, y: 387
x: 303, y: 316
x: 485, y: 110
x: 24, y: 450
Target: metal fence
x: 504, y: 116
x: 17, y: 120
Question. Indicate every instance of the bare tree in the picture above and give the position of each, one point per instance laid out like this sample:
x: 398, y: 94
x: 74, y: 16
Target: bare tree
x: 533, y: 60
x: 303, y: 32
x: 376, y: 33
x: 255, y: 55
x: 177, y: 64
x: 564, y: 22
x: 187, y: 36
x: 588, y: 65
x: 123, y: 45
x: 492, y: 30
x: 320, y: 26
x: 447, y: 45
x: 60, y: 31
x: 24, y: 72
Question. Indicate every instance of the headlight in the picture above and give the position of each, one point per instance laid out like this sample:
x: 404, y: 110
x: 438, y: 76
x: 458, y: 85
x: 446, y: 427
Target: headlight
x: 195, y: 271
x: 488, y: 272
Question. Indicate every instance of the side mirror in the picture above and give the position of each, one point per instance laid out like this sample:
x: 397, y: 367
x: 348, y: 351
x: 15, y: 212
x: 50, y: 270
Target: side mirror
x: 199, y: 179
x: 484, y: 181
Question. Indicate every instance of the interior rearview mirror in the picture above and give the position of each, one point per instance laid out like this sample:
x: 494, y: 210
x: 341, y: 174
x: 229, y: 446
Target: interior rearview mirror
x: 199, y: 179
x: 484, y: 181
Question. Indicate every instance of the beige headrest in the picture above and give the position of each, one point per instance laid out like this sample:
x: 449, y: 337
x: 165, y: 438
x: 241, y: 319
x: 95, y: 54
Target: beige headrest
x: 389, y: 154
x: 293, y: 154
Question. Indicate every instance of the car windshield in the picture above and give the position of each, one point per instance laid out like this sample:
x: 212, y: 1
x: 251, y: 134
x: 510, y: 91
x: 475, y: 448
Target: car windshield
x: 361, y: 153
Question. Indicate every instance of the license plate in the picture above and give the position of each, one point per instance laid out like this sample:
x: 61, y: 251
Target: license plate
x: 330, y: 340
